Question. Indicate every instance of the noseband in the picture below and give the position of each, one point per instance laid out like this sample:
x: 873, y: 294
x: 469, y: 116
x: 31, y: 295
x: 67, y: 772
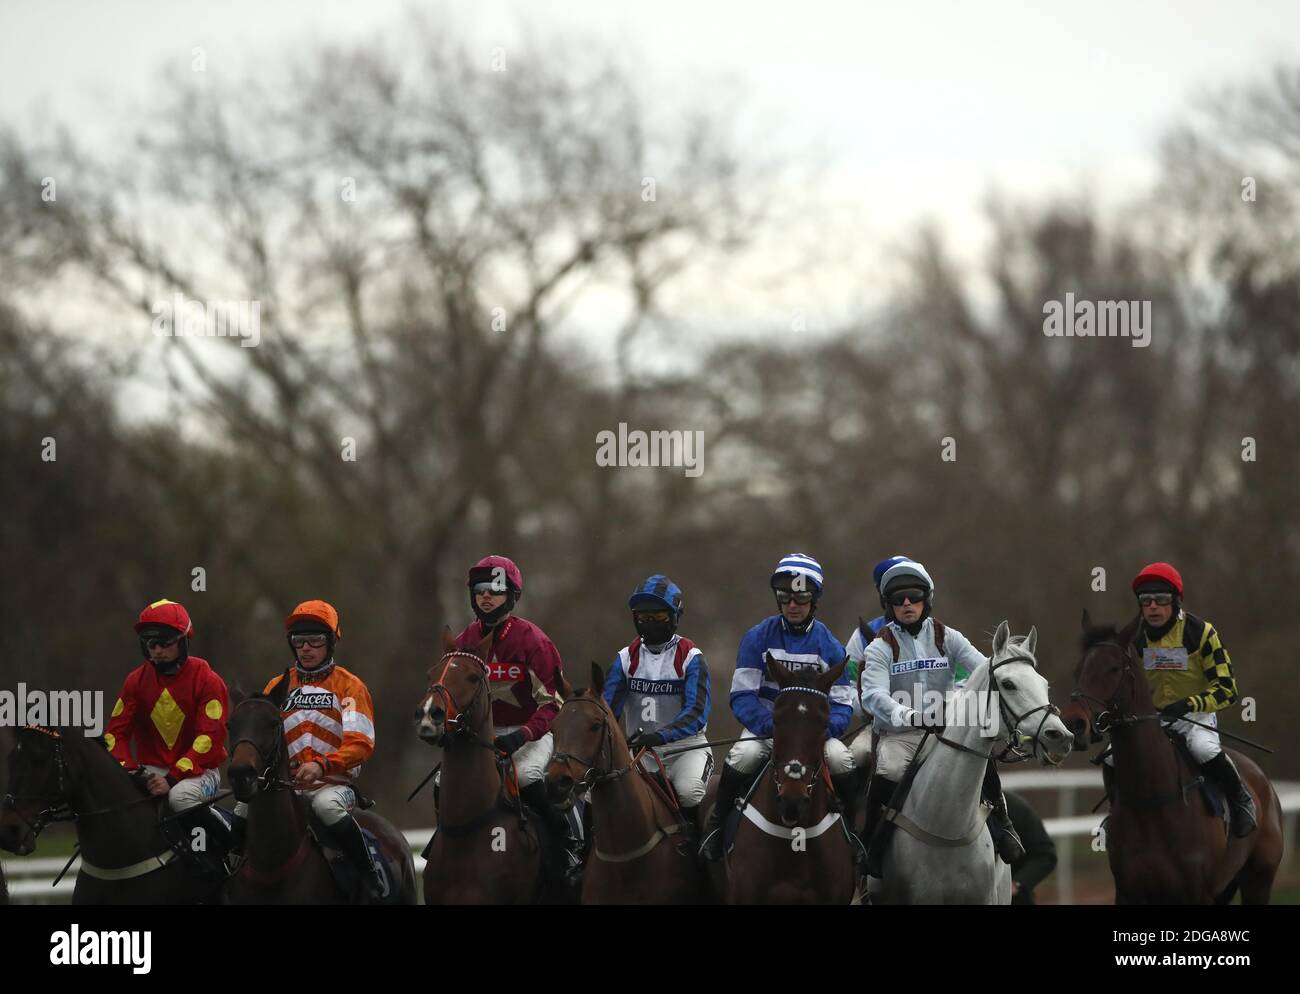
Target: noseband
x: 456, y: 726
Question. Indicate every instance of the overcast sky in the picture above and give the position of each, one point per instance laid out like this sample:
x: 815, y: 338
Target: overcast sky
x: 920, y: 108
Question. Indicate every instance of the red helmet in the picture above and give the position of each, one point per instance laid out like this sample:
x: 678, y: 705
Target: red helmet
x: 1159, y: 571
x: 485, y: 568
x: 165, y: 612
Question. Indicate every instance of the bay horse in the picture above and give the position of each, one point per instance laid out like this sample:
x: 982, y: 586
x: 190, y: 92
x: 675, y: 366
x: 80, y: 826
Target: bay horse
x: 283, y: 863
x: 486, y: 849
x: 790, y: 844
x: 638, y: 854
x: 1163, y: 845
x: 59, y: 774
x: 942, y: 853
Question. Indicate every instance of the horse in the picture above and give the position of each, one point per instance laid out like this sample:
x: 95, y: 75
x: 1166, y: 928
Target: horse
x: 791, y: 846
x: 486, y: 849
x: 282, y: 861
x: 634, y: 857
x: 127, y: 856
x: 1162, y: 844
x: 944, y: 855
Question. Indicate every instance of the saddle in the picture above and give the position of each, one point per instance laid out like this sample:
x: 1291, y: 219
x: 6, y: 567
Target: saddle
x: 345, y: 874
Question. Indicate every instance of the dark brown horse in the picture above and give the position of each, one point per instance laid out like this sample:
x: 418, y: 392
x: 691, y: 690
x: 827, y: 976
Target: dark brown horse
x: 283, y: 863
x: 61, y: 775
x: 484, y: 850
x: 638, y: 854
x: 1164, y: 847
x: 790, y: 846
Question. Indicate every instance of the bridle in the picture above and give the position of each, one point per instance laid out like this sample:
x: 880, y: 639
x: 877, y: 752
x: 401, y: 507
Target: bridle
x: 1016, y: 739
x: 593, y: 774
x: 59, y: 807
x: 794, y: 769
x: 456, y: 727
x: 1112, y: 717
x: 1111, y: 714
x: 269, y: 778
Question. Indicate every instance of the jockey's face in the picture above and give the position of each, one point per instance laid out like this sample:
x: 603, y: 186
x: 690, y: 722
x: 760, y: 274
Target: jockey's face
x: 488, y: 601
x: 310, y: 656
x: 909, y: 612
x: 159, y: 654
x: 1155, y: 614
x: 794, y: 612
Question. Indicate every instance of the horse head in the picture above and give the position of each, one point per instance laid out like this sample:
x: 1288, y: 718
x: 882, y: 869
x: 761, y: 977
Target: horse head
x: 458, y: 700
x: 38, y: 788
x: 1107, y: 681
x: 1024, y: 700
x: 589, y: 744
x: 800, y: 717
x: 256, y: 731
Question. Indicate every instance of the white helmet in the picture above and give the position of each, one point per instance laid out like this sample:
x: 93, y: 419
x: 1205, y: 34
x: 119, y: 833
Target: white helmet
x: 908, y: 569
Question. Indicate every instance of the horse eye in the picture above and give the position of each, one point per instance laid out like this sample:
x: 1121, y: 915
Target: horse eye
x: 595, y: 726
x: 1008, y: 685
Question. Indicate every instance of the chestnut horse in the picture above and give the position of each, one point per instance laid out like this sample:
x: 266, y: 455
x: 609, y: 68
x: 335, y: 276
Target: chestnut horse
x: 484, y: 850
x: 283, y: 864
x: 61, y: 775
x: 1164, y: 847
x: 639, y: 855
x: 790, y: 845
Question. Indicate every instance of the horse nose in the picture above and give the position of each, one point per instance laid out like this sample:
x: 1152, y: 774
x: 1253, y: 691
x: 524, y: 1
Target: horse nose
x: 1058, y: 738
x: 1078, y: 728
x: 558, y: 788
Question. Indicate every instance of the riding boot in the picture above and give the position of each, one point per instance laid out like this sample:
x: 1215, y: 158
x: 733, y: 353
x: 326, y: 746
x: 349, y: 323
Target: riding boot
x: 209, y: 857
x: 690, y: 826
x: 878, y: 831
x: 346, y: 836
x: 731, y: 785
x: 846, y: 789
x: 567, y: 847
x: 1005, y: 840
x: 1224, y: 773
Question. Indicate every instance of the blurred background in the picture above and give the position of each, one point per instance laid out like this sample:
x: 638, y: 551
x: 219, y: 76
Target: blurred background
x: 480, y: 235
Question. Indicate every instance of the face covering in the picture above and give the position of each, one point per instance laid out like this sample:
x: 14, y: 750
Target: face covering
x: 655, y: 632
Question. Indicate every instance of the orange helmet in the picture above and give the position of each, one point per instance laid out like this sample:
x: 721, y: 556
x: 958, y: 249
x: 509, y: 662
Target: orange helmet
x: 318, y: 611
x: 165, y: 612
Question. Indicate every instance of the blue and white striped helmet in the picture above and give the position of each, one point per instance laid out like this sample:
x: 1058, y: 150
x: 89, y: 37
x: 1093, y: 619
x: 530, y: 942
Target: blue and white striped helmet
x: 799, y: 564
x: 883, y: 565
x: 657, y: 591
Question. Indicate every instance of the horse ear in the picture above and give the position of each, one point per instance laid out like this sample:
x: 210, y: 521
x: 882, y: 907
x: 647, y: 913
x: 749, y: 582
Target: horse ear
x: 778, y: 671
x: 448, y: 640
x: 562, y: 684
x: 484, y: 648
x: 1031, y: 640
x: 1129, y: 631
x: 1000, y: 638
x: 597, y: 677
x: 1086, y: 621
x: 827, y: 680
x: 237, y: 695
x: 281, y: 689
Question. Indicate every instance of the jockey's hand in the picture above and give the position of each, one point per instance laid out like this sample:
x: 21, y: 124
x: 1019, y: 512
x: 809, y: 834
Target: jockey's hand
x: 309, y: 772
x: 908, y: 718
x: 157, y: 785
x: 510, y: 742
x: 1175, y: 710
x: 645, y: 740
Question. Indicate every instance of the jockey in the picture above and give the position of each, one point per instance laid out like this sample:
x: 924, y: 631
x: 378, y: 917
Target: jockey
x: 799, y: 641
x: 858, y: 641
x: 173, y: 707
x: 1189, y: 672
x: 329, y: 727
x: 524, y: 668
x: 890, y: 671
x: 659, y: 687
